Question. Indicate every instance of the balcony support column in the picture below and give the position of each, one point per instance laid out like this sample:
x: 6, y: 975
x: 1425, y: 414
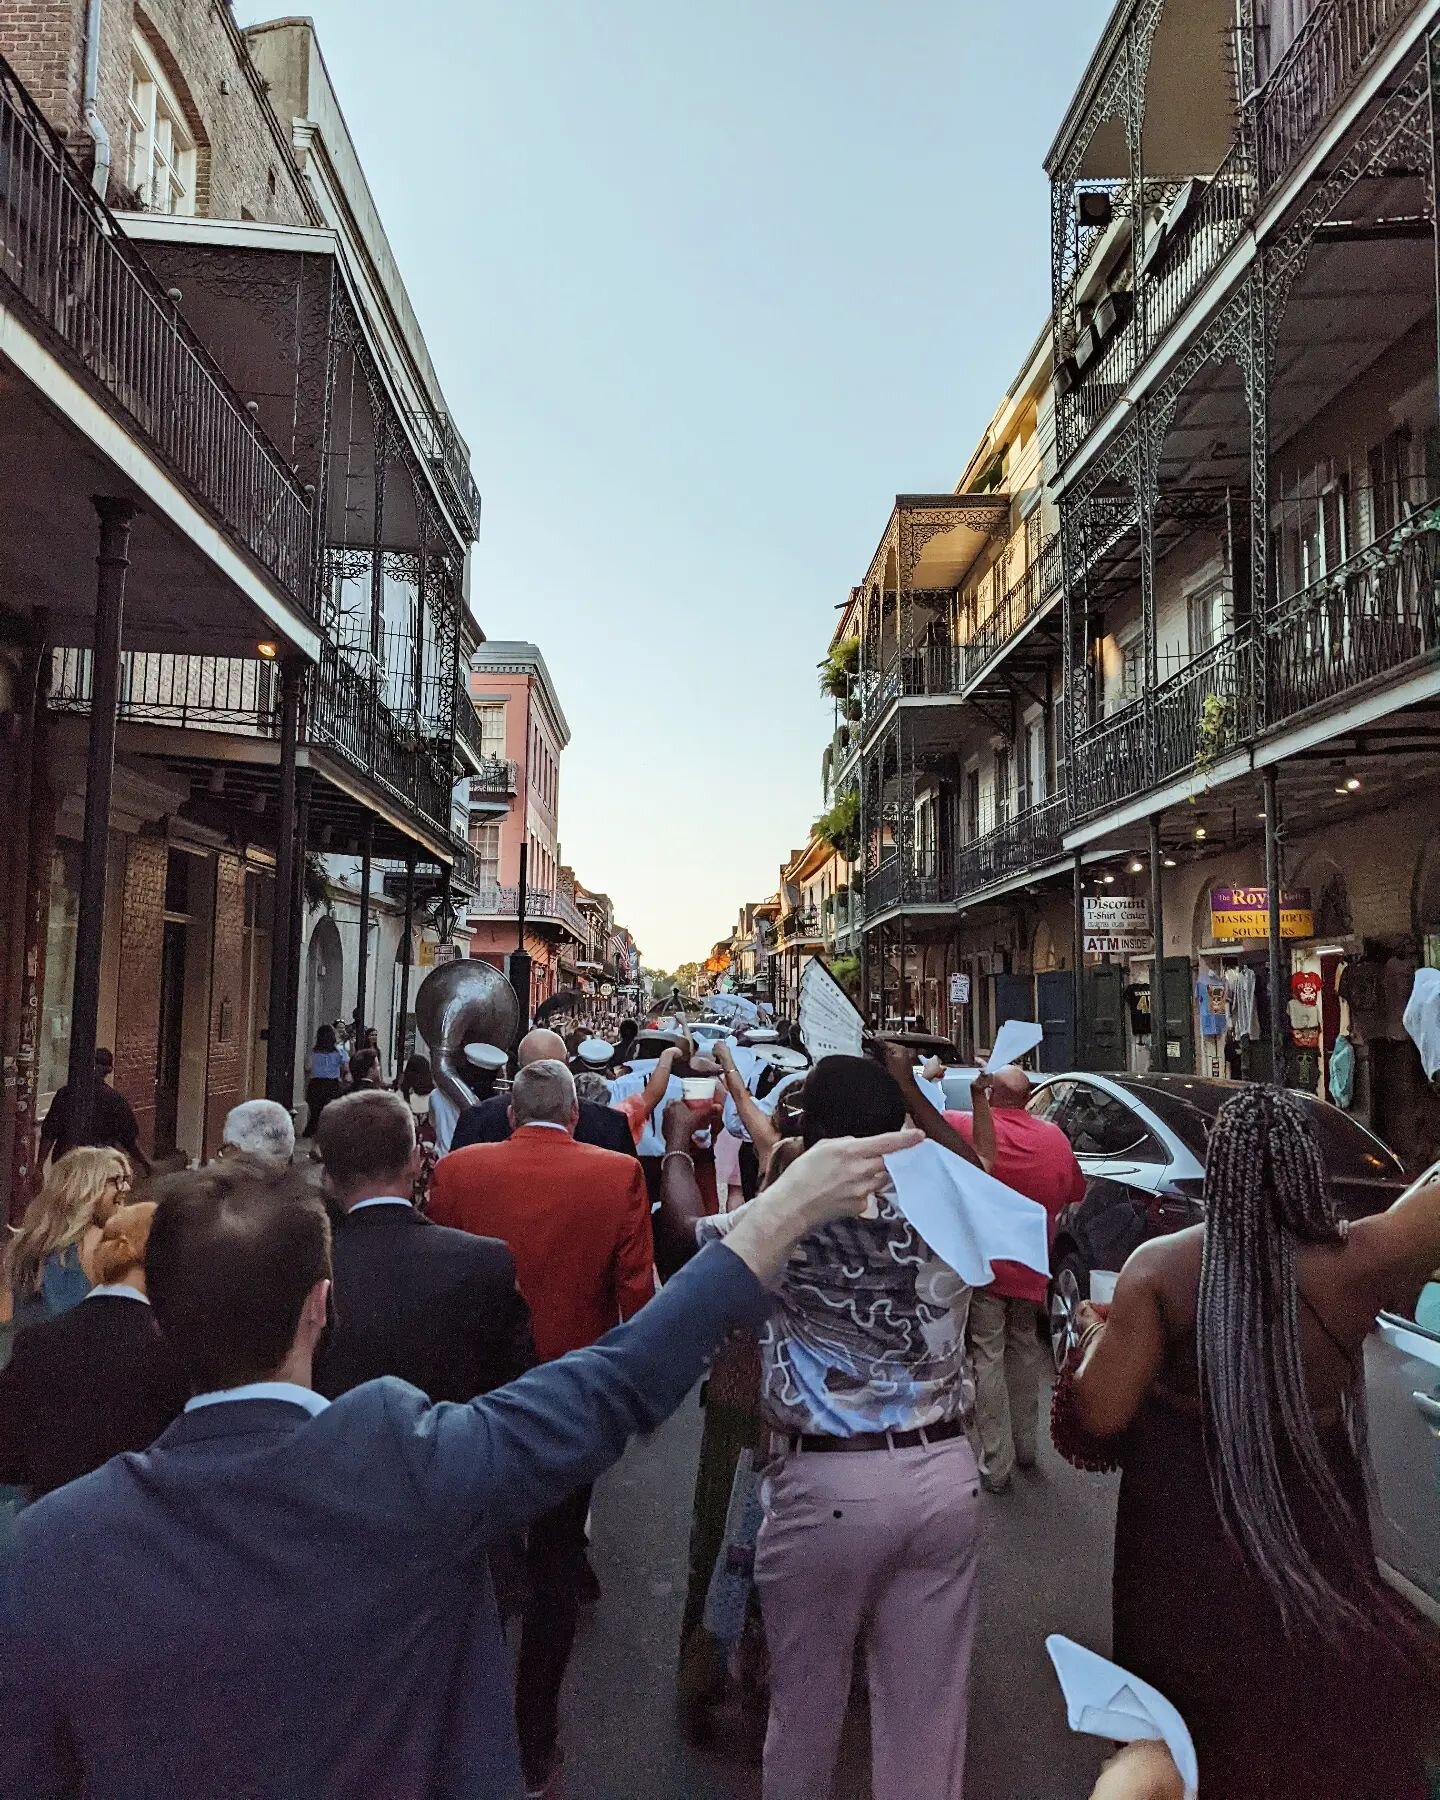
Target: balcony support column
x: 407, y: 951
x: 112, y: 563
x: 1274, y: 875
x: 1079, y: 898
x: 303, y: 781
x: 362, y: 964
x: 1160, y: 1044
x: 284, y: 950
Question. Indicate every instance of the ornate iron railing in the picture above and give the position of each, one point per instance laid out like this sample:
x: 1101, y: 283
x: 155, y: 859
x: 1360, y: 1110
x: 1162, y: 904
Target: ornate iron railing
x: 496, y: 775
x: 1317, y: 70
x: 542, y: 905
x: 67, y: 263
x: 345, y: 713
x: 1364, y: 619
x: 189, y: 693
x: 1100, y: 385
x: 1197, y: 243
x: 1031, y: 838
x: 1109, y: 764
x: 450, y: 460
x: 467, y: 725
x: 950, y: 668
x: 1205, y: 709
x: 801, y: 925
x: 896, y: 884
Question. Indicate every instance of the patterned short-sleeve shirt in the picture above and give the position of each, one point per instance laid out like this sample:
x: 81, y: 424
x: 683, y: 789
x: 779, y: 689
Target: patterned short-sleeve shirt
x: 866, y: 1331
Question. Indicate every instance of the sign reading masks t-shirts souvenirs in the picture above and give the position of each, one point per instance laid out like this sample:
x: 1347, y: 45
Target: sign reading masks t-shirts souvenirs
x: 1118, y: 925
x: 1238, y: 913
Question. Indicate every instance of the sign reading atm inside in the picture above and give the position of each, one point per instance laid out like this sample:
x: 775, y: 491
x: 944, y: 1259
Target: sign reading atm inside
x: 1244, y: 912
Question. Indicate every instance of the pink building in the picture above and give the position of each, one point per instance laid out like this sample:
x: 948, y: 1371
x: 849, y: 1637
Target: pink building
x: 515, y: 800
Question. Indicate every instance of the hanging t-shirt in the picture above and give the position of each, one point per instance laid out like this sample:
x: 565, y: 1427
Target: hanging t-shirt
x: 1304, y: 1009
x: 1137, y: 999
x: 1240, y: 986
x: 1213, y: 1003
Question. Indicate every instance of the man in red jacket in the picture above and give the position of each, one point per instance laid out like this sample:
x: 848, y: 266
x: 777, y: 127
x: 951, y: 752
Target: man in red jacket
x: 577, y: 1221
x: 1033, y: 1157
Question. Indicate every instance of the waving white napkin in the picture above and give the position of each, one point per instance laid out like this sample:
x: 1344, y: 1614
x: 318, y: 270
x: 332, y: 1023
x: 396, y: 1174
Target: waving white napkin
x: 968, y: 1219
x: 1103, y: 1700
x: 1014, y: 1039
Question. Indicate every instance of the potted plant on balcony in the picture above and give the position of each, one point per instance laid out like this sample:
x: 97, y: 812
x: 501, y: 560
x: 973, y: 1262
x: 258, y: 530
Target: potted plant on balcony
x: 840, y: 667
x: 1214, y: 730
x: 840, y: 825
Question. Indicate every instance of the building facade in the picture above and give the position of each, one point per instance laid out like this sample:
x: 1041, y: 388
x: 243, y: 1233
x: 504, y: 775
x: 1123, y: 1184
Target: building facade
x: 1143, y: 718
x: 515, y: 804
x: 204, y: 327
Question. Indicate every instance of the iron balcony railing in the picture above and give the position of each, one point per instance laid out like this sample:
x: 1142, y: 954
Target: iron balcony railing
x: 542, y: 905
x: 450, y: 460
x: 1365, y: 619
x: 1204, y: 219
x: 1032, y: 837
x: 68, y: 264
x: 190, y: 693
x: 800, y: 926
x: 1109, y: 763
x: 1327, y: 58
x: 346, y: 714
x: 896, y: 883
x: 949, y: 669
x: 496, y: 776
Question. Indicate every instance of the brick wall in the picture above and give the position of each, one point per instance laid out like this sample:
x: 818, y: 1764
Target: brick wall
x: 138, y: 1003
x: 225, y: 1067
x: 245, y: 163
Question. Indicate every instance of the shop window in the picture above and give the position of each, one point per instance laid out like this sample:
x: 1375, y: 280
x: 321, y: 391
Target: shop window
x: 162, y: 154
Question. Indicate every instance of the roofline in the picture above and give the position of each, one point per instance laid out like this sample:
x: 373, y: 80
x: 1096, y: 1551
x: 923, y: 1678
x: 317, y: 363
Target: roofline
x: 1095, y: 69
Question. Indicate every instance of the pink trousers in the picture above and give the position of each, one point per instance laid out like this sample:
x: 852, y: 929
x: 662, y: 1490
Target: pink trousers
x: 878, y: 1548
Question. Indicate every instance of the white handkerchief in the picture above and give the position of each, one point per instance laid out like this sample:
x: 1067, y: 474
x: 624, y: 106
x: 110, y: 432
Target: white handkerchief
x: 968, y: 1219
x: 1103, y: 1700
x: 1014, y: 1039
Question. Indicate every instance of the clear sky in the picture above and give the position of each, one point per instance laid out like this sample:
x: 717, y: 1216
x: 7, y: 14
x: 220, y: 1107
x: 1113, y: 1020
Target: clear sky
x: 706, y: 287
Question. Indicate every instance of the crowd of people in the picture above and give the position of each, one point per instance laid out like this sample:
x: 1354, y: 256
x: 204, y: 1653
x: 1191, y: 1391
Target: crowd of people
x: 305, y: 1438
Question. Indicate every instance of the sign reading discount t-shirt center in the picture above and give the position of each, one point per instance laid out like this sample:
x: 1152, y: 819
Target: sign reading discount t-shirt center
x: 1237, y: 913
x: 1118, y: 925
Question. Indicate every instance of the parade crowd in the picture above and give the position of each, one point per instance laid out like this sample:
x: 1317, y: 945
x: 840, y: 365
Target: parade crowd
x: 302, y: 1441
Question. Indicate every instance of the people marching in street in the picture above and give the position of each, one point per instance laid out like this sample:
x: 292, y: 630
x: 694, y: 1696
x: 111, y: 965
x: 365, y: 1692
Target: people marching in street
x: 423, y: 1388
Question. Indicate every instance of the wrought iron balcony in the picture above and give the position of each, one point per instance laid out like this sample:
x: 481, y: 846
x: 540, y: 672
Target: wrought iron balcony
x: 345, y: 713
x: 450, y: 460
x: 896, y: 883
x: 542, y: 906
x: 65, y: 261
x: 1326, y: 59
x: 496, y: 777
x: 467, y: 725
x: 1015, y: 847
x: 1365, y: 619
x: 189, y: 693
x: 942, y: 670
x: 801, y: 926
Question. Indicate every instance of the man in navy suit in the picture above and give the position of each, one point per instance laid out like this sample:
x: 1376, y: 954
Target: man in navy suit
x: 290, y: 1596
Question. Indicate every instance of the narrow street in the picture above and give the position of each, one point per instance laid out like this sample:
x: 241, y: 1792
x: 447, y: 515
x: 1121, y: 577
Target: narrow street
x: 1047, y: 1568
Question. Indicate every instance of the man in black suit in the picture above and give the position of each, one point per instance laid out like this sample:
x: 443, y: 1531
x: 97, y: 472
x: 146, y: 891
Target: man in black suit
x: 94, y: 1381
x: 489, y: 1123
x: 434, y: 1307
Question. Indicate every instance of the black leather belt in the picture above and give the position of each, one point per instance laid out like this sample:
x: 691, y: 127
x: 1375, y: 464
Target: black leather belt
x: 925, y: 1435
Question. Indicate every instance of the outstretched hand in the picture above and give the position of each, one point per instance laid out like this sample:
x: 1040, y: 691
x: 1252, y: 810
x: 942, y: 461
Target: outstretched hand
x: 899, y: 1061
x: 1142, y: 1771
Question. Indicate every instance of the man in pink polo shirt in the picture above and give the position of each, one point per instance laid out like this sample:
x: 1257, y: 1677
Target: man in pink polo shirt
x: 1033, y: 1157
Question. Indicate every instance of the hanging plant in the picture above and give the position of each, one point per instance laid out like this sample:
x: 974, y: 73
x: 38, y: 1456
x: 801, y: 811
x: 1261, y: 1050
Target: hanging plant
x: 840, y: 826
x: 839, y: 667
x: 846, y: 970
x: 317, y: 882
x: 1215, y: 731
x: 854, y: 711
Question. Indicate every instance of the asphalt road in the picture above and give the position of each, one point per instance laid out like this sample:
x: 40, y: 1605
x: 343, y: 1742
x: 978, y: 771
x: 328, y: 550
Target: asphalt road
x: 1046, y: 1568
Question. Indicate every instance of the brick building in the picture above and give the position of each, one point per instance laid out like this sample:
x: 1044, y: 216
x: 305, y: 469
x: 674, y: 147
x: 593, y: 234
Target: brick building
x: 225, y: 353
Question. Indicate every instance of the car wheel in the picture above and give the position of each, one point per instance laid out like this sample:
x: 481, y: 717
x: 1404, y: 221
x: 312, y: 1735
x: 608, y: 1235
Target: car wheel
x: 1070, y: 1285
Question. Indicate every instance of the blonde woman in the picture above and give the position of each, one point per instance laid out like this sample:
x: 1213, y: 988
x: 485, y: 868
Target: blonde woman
x: 49, y: 1260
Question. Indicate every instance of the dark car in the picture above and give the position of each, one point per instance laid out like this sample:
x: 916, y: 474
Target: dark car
x: 1141, y: 1141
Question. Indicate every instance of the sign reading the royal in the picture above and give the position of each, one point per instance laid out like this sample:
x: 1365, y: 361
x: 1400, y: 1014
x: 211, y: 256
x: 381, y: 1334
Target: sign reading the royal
x: 1238, y: 913
x: 1118, y: 925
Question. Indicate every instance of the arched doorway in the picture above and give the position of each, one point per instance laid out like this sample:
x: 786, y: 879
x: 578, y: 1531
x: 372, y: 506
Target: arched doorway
x: 324, y: 978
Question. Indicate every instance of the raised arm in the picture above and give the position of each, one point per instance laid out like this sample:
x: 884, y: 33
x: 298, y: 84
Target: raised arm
x: 681, y: 1201
x: 759, y: 1124
x: 658, y: 1085
x: 933, y: 1123
x: 487, y: 1468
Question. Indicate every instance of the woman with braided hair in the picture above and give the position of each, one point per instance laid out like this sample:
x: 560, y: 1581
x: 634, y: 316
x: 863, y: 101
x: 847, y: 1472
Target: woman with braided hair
x: 1227, y: 1373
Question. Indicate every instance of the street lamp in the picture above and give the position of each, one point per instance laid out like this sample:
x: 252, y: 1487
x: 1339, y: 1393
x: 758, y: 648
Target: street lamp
x: 446, y: 916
